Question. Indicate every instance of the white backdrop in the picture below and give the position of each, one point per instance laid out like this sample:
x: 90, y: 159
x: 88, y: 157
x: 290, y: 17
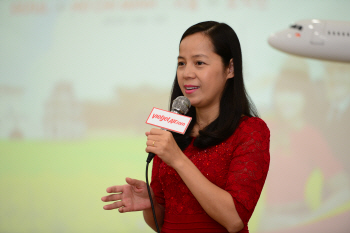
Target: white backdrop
x: 78, y: 79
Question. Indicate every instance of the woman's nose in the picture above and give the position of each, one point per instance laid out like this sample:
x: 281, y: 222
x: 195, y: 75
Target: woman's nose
x: 189, y: 72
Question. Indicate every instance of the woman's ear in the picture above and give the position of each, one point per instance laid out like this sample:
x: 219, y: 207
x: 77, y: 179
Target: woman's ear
x: 230, y: 70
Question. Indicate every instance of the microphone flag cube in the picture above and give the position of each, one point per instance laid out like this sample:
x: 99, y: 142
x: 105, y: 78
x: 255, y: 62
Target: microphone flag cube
x: 169, y: 120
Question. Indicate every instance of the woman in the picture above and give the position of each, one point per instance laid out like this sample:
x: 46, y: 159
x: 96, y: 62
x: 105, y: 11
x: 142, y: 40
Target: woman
x: 210, y: 179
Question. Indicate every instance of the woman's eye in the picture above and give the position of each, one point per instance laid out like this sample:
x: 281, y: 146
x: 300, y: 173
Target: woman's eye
x: 200, y: 63
x: 180, y: 63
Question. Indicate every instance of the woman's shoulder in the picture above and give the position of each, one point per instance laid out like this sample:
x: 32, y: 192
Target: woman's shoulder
x: 252, y: 133
x: 250, y: 126
x: 247, y: 121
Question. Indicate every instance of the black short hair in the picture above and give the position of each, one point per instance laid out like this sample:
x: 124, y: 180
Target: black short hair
x: 234, y: 102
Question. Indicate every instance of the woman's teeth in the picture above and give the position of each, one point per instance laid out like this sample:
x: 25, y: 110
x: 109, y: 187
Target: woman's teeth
x: 191, y: 88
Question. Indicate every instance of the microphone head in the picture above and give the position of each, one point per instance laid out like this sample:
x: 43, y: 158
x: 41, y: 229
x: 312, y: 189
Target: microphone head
x: 181, y: 105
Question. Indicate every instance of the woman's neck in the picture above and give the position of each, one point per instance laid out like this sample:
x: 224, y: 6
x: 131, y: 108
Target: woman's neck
x: 204, y: 116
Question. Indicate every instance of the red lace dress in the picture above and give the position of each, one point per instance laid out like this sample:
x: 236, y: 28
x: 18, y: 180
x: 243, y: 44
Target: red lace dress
x: 238, y: 165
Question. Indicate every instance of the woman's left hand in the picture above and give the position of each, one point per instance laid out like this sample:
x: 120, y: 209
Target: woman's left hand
x: 163, y: 144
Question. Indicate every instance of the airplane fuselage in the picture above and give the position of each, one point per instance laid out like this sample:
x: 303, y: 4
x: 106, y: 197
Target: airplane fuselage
x: 319, y: 39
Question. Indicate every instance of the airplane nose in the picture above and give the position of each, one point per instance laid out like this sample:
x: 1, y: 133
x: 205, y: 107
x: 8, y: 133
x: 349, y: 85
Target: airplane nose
x: 280, y: 40
x: 272, y: 40
x: 275, y: 40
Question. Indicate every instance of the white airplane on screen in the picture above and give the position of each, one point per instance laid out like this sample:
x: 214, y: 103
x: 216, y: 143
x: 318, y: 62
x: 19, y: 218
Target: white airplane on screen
x: 320, y: 39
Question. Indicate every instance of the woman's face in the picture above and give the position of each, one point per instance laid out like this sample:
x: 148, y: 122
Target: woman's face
x: 200, y: 73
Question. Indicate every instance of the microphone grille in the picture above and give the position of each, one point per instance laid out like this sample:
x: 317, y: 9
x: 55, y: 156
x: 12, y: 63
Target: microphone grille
x: 181, y: 105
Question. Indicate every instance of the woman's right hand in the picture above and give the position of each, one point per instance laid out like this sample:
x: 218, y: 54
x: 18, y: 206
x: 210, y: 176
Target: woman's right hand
x: 132, y: 196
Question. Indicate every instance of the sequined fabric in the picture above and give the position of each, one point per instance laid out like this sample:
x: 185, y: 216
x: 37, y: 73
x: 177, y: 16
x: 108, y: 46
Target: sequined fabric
x: 238, y: 165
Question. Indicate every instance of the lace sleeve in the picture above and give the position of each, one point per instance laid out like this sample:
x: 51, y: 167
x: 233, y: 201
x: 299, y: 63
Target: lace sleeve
x: 249, y: 166
x: 155, y: 182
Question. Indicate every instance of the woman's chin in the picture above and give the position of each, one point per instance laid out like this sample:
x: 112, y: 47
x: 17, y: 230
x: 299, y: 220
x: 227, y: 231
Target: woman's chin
x: 193, y: 101
x: 196, y: 102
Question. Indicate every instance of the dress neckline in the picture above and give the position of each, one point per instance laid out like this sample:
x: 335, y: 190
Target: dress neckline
x: 243, y: 117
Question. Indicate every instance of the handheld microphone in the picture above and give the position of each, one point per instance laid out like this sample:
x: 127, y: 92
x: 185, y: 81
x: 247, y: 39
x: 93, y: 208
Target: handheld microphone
x: 180, y: 105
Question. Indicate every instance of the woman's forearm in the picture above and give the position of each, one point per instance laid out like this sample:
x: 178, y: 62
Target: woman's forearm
x: 148, y: 215
x: 216, y: 202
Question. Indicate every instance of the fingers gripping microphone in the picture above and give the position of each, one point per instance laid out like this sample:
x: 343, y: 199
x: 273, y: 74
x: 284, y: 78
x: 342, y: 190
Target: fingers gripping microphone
x: 180, y: 105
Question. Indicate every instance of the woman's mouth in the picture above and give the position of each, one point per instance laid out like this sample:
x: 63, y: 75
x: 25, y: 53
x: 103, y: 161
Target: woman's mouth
x: 190, y: 88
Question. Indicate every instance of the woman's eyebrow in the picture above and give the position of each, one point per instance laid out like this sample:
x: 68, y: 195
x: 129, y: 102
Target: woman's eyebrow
x: 200, y: 55
x: 197, y: 55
